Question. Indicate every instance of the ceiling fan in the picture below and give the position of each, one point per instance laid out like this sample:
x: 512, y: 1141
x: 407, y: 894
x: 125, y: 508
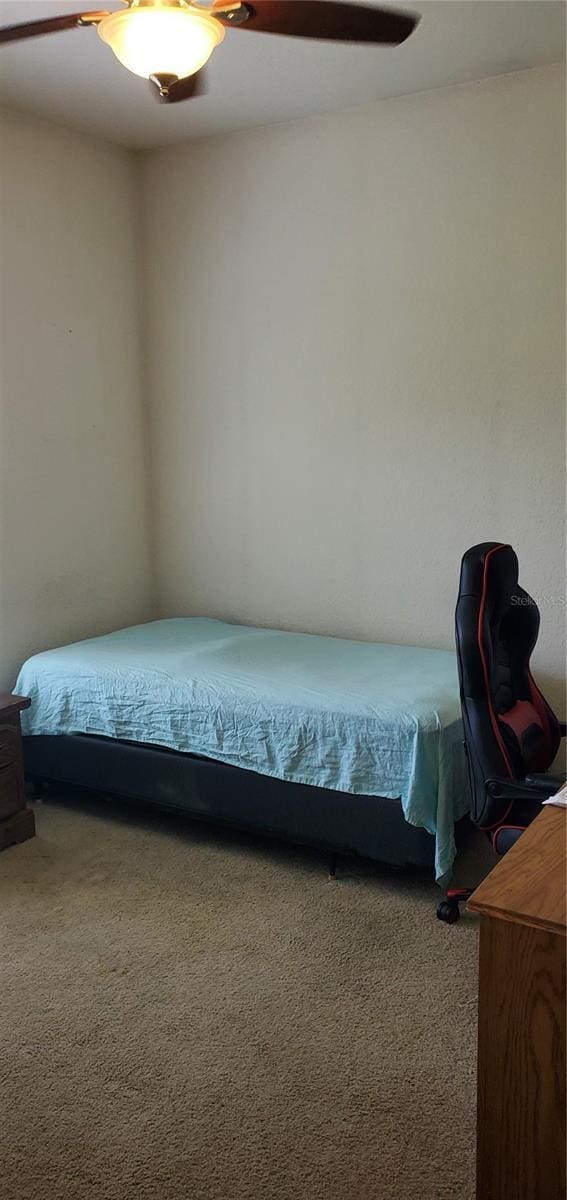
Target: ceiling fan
x: 169, y: 41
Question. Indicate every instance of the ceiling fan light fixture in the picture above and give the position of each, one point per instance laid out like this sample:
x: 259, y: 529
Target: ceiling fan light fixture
x: 161, y: 40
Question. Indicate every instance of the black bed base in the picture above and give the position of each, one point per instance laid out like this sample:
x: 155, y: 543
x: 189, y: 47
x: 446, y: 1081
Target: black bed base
x: 370, y: 826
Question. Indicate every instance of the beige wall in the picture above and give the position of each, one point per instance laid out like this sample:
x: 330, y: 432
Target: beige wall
x: 355, y: 331
x: 73, y: 505
x: 351, y: 355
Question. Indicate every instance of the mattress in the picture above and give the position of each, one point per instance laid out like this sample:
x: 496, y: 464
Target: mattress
x: 358, y: 717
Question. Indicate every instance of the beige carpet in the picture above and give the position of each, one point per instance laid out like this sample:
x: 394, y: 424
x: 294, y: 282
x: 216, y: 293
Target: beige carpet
x: 192, y: 1015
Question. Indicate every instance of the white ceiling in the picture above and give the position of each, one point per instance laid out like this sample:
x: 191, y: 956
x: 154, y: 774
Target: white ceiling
x: 73, y: 79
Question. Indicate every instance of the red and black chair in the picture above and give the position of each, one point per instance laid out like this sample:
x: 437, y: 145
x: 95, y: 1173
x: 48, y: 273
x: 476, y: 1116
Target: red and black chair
x: 511, y: 734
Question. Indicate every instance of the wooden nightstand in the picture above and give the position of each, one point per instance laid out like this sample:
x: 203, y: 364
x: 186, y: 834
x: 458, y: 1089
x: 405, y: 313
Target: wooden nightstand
x: 16, y: 821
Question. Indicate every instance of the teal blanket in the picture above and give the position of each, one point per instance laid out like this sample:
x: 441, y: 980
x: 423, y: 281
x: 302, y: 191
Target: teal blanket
x: 356, y: 717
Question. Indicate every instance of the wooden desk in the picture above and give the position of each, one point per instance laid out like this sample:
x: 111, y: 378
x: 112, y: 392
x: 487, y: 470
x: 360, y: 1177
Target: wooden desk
x: 521, y: 1033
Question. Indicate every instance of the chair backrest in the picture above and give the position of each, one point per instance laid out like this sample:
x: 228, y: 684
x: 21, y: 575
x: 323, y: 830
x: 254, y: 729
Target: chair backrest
x: 510, y: 730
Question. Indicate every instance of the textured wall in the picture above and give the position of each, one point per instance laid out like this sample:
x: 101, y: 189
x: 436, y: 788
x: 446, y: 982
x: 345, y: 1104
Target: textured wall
x: 355, y: 330
x: 73, y: 503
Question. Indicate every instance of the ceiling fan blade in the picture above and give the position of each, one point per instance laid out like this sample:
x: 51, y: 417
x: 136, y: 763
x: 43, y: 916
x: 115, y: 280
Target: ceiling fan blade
x: 170, y: 89
x: 326, y: 19
x: 31, y: 29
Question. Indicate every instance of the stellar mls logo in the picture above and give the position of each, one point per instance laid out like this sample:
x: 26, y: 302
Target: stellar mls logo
x: 542, y: 601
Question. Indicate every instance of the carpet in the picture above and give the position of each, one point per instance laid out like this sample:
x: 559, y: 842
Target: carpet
x: 190, y: 1014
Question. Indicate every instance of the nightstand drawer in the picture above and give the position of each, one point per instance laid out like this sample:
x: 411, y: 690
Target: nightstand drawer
x: 11, y: 796
x: 10, y: 741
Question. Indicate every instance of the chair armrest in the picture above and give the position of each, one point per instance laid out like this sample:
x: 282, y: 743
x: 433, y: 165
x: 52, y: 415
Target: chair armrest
x: 553, y: 782
x: 562, y: 729
x: 533, y: 787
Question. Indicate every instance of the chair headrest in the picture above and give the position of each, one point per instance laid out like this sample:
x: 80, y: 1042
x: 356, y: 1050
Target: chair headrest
x: 502, y: 581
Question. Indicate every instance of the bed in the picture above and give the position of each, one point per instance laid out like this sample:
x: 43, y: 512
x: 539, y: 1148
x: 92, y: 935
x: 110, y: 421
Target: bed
x: 349, y: 745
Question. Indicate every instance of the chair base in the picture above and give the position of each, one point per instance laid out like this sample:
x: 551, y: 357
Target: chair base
x: 448, y: 910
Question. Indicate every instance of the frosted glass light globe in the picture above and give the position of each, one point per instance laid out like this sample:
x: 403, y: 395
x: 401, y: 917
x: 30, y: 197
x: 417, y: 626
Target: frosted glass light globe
x: 161, y: 40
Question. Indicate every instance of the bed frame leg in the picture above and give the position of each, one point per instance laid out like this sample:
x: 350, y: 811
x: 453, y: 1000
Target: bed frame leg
x: 34, y: 789
x: 333, y: 865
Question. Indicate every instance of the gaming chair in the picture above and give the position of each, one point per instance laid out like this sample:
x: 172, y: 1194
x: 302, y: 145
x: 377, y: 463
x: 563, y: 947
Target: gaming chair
x: 511, y: 733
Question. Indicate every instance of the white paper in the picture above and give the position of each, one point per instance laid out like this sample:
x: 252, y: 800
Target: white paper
x: 559, y: 798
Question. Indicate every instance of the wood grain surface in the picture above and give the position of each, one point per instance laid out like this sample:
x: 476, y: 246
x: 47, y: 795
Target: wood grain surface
x: 529, y: 884
x: 521, y: 1070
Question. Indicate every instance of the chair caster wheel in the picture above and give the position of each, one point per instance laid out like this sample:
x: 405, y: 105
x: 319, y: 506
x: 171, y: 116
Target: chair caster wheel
x: 448, y: 911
